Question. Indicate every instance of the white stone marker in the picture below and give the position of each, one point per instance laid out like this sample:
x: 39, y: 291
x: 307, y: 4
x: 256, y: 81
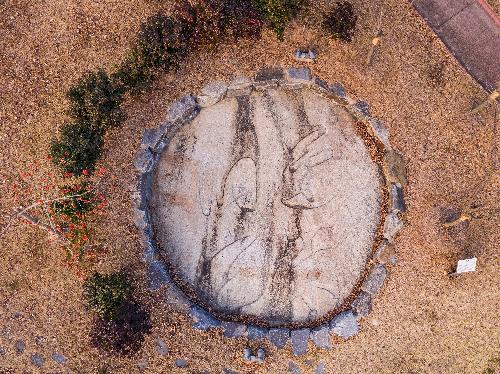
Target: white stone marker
x: 466, y: 266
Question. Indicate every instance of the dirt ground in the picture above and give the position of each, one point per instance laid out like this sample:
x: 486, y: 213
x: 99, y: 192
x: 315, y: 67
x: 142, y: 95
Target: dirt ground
x: 422, y: 321
x: 495, y: 5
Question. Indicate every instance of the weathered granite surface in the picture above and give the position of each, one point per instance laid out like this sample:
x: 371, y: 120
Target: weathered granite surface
x: 289, y: 158
x: 263, y: 191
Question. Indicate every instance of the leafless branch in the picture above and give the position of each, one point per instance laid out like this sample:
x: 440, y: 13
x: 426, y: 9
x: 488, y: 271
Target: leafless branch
x: 51, y: 230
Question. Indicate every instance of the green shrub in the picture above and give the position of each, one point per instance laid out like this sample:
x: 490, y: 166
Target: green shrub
x: 96, y: 100
x: 277, y: 13
x: 78, y: 148
x: 105, y: 294
x: 124, y: 334
x: 341, y: 21
x: 161, y: 44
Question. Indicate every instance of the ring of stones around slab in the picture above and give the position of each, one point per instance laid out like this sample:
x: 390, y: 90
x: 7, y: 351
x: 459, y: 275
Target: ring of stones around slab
x: 183, y: 111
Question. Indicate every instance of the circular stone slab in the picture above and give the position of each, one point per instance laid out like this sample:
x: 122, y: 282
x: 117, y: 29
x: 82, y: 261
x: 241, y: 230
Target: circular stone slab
x: 266, y: 206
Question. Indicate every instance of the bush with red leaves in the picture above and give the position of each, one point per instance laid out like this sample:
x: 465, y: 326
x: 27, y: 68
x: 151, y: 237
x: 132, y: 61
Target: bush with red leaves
x: 124, y: 334
x: 208, y: 22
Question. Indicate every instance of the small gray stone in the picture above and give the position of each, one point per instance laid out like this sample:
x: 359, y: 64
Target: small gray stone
x: 247, y: 354
x: 229, y: 371
x: 203, y: 320
x: 385, y: 253
x: 2, y: 352
x: 299, y: 340
x: 278, y: 336
x: 269, y: 74
x: 293, y: 368
x: 261, y: 354
x: 321, y: 337
x: 363, y: 108
x: 181, y: 363
x: 338, y: 89
x: 239, y: 86
x: 268, y: 78
x: 301, y: 74
x: 397, y: 198
x: 320, y: 369
x: 212, y: 93
x: 379, y: 131
x: 20, y: 346
x: 299, y: 77
x: 37, y: 360
x: 395, y: 168
x: 374, y: 280
x: 151, y: 137
x: 59, y: 358
x: 338, y: 93
x: 144, y: 160
x: 142, y: 190
x: 392, y: 226
x: 321, y: 86
x: 182, y: 110
x: 257, y: 332
x: 140, y: 219
x: 158, y: 275
x: 345, y: 325
x: 233, y: 329
x: 362, y: 305
x: 39, y: 340
x: 305, y: 55
x: 161, y: 347
x: 142, y: 365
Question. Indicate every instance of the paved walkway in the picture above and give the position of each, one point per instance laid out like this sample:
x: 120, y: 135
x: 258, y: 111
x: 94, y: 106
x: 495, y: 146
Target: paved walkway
x: 471, y: 31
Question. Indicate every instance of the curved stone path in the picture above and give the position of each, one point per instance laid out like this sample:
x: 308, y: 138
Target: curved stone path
x: 155, y: 141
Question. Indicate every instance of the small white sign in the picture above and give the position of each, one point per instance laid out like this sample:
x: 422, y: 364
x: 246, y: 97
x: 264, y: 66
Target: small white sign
x: 467, y: 265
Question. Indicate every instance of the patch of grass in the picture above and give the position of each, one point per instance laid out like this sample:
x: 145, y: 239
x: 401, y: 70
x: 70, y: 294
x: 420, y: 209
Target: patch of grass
x: 161, y: 44
x: 78, y: 147
x: 96, y: 100
x: 105, y: 294
x: 14, y: 286
x: 277, y: 13
x: 436, y: 74
x: 341, y: 22
x: 94, y: 107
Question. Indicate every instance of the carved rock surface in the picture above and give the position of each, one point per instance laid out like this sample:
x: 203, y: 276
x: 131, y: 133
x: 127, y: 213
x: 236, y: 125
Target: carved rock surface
x: 264, y: 191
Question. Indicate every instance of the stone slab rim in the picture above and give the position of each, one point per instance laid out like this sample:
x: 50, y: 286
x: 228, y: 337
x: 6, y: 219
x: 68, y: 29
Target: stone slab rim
x: 246, y: 85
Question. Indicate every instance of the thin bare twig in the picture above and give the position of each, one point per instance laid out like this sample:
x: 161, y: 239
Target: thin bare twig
x: 21, y: 211
x: 470, y: 214
x: 51, y: 230
x: 491, y: 98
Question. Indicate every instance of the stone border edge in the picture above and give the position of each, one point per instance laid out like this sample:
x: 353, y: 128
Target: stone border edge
x: 183, y: 111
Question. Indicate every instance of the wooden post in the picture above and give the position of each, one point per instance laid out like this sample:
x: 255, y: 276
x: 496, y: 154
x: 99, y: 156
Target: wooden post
x: 376, y: 39
x: 375, y: 43
x: 493, y: 96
